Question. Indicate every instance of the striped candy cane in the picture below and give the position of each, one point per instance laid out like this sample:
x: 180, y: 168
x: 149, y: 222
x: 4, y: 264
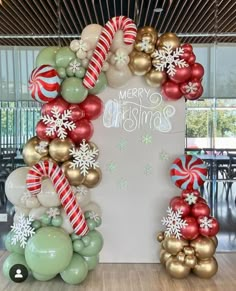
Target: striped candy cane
x: 62, y: 187
x: 105, y: 39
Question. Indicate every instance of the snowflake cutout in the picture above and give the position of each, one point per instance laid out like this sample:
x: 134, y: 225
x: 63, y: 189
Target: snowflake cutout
x: 174, y: 222
x: 41, y: 148
x: 81, y: 190
x: 191, y: 199
x: 148, y: 170
x: 205, y: 222
x: 147, y: 139
x: 58, y: 123
x: 111, y: 167
x: 93, y: 215
x: 191, y: 87
x: 74, y: 66
x: 22, y: 230
x: 169, y: 59
x: 53, y: 212
x: 123, y: 184
x: 122, y: 144
x: 164, y: 156
x: 144, y: 45
x: 26, y: 195
x: 84, y: 158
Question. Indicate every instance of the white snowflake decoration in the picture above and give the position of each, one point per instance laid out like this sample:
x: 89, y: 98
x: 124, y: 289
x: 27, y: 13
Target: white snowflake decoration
x: 53, y: 212
x: 191, y: 199
x: 26, y: 195
x: 145, y: 44
x: 74, y: 66
x: 93, y: 215
x: 41, y: 148
x: 58, y: 123
x: 22, y: 230
x: 169, y: 59
x: 80, y: 190
x: 82, y: 49
x: 174, y: 222
x: 205, y: 222
x: 147, y: 139
x: 84, y: 158
x: 191, y: 87
x: 164, y: 156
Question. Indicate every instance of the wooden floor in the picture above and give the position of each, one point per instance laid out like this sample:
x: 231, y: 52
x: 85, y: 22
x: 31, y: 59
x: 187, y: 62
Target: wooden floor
x: 134, y: 277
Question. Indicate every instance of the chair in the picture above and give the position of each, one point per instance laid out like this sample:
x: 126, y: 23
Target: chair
x: 231, y: 174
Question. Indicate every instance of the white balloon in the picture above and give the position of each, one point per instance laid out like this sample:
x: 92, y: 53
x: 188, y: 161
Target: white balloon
x: 32, y: 202
x: 118, y: 78
x: 92, y: 206
x: 15, y: 186
x: 118, y: 42
x: 23, y: 210
x: 91, y: 34
x: 37, y: 213
x: 83, y: 197
x: 48, y: 196
x: 66, y: 225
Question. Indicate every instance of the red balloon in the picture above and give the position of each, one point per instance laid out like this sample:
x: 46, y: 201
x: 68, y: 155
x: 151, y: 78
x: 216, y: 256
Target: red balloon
x: 41, y: 131
x: 185, y: 193
x: 209, y: 231
x: 84, y: 130
x: 175, y: 198
x: 180, y: 204
x: 187, y: 47
x: 181, y: 74
x: 197, y: 71
x: 197, y: 95
x: 185, y: 56
x: 76, y: 112
x: 171, y: 90
x: 191, y: 231
x: 191, y: 60
x: 59, y: 102
x: 92, y: 106
x: 200, y: 209
x: 200, y: 199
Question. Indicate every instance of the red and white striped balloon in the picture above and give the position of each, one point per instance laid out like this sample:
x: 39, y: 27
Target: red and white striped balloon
x: 105, y: 39
x: 44, y: 84
x: 62, y: 187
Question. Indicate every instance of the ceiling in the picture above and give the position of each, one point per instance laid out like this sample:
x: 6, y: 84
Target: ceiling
x: 38, y: 22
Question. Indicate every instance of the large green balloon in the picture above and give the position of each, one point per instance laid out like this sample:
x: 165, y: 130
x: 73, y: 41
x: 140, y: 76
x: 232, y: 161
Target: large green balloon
x: 92, y: 262
x: 76, y: 272
x: 41, y: 277
x: 64, y: 56
x: 47, y: 56
x: 73, y: 91
x: 100, y: 85
x: 95, y: 246
x: 16, y: 248
x: 49, y: 251
x: 12, y: 260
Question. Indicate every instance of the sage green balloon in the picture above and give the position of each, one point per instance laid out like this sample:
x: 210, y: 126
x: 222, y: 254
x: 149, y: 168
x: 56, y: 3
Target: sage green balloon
x: 12, y: 260
x: 57, y: 221
x: 95, y: 246
x: 92, y: 262
x: 47, y: 56
x: 61, y: 72
x: 73, y: 91
x: 41, y: 277
x: 64, y: 56
x: 15, y: 248
x: 100, y: 85
x: 76, y: 272
x: 78, y: 245
x: 49, y: 251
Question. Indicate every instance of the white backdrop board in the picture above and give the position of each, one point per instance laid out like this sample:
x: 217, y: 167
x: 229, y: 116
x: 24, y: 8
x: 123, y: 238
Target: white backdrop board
x: 138, y: 137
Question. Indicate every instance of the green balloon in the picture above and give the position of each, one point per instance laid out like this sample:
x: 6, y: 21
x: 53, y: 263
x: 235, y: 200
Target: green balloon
x: 15, y: 248
x: 95, y: 246
x: 64, y: 56
x: 49, y: 251
x: 61, y: 72
x: 91, y: 223
x: 47, y: 56
x: 80, y: 73
x: 76, y: 272
x: 100, y: 85
x: 36, y: 224
x: 92, y: 262
x: 73, y: 91
x: 75, y: 236
x: 41, y: 277
x: 45, y: 219
x: 69, y: 72
x: 12, y: 260
x: 57, y: 221
x: 78, y: 245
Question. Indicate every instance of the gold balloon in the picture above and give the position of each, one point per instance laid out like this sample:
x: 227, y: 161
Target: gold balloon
x: 155, y: 78
x: 169, y: 38
x: 173, y: 245
x: 30, y: 154
x: 93, y: 146
x: 59, y: 149
x: 204, y: 247
x: 140, y: 63
x: 215, y: 240
x: 48, y: 158
x: 180, y: 257
x: 189, y: 251
x: 176, y: 269
x: 93, y: 178
x: 74, y: 176
x: 206, y: 268
x: 147, y: 30
x: 160, y: 236
x: 164, y: 256
x: 190, y: 261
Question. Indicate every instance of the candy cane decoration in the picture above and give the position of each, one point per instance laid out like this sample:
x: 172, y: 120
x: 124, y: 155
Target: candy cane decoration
x: 105, y: 39
x: 62, y: 187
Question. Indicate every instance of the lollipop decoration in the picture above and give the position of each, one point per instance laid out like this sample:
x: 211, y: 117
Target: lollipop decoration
x: 44, y: 84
